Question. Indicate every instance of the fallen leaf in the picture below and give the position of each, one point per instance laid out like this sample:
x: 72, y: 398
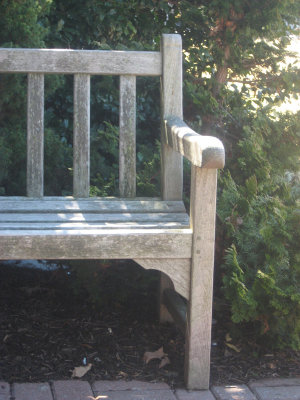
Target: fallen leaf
x: 272, y: 365
x: 164, y: 361
x: 6, y: 337
x: 233, y: 347
x: 151, y: 355
x: 228, y: 338
x: 121, y: 373
x: 79, y: 372
x: 97, y: 398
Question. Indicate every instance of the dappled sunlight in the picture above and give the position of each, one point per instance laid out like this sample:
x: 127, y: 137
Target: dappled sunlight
x: 292, y: 105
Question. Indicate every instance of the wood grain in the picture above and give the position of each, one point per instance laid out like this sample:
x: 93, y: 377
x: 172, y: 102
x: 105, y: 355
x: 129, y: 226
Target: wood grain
x: 91, y: 205
x: 171, y: 93
x: 202, y: 151
x: 127, y: 140
x: 171, y: 161
x: 178, y: 270
x: 35, y: 217
x: 198, y: 336
x: 81, y: 140
x: 35, y: 135
x: 93, y: 62
x: 95, y: 244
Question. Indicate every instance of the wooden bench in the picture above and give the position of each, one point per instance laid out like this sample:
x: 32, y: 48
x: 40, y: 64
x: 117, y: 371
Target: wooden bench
x: 156, y: 233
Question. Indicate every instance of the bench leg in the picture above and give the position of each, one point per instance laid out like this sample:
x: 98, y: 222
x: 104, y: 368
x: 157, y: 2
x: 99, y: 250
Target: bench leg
x: 164, y: 283
x: 198, y: 331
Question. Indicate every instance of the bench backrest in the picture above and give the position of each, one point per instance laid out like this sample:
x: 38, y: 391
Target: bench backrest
x: 82, y: 64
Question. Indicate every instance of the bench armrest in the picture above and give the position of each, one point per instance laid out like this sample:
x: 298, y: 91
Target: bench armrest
x: 202, y: 151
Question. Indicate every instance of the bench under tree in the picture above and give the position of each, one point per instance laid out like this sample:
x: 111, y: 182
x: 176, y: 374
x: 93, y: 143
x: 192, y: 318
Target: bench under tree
x: 156, y: 233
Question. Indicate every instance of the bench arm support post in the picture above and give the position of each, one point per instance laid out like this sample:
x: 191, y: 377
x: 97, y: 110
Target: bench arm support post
x: 199, y: 318
x: 206, y: 154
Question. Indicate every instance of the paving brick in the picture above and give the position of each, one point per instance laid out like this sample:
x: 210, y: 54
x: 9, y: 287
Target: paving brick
x: 71, y: 390
x: 278, y: 392
x: 275, y: 382
x: 137, y: 395
x: 238, y: 392
x: 4, y: 391
x: 30, y: 391
x: 105, y: 386
x: 137, y: 390
x: 182, y: 394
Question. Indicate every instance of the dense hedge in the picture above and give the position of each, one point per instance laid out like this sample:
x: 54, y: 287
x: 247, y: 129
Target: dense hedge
x: 234, y: 80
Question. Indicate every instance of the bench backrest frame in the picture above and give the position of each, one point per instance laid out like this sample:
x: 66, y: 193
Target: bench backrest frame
x: 82, y: 64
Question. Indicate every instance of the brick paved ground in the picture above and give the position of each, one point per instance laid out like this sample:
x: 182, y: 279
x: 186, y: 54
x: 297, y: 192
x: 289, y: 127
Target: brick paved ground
x: 271, y: 389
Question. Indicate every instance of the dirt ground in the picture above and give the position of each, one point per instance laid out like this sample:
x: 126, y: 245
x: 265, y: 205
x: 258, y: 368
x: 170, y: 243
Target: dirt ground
x: 49, y: 325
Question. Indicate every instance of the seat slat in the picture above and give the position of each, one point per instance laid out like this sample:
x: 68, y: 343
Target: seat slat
x: 64, y: 198
x: 91, y: 225
x: 91, y: 205
x: 180, y: 218
x: 35, y: 135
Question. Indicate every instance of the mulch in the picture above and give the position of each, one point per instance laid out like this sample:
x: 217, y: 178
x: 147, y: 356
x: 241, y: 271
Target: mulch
x: 49, y: 325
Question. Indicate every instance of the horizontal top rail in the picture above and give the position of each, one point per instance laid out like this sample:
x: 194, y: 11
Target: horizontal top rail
x: 93, y: 62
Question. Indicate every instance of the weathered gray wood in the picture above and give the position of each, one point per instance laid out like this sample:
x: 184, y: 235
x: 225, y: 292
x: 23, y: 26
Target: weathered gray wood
x: 202, y: 151
x: 177, y: 269
x: 91, y: 205
x: 93, y: 243
x: 81, y: 140
x: 63, y: 198
x: 41, y: 225
x: 177, y: 307
x: 35, y: 135
x: 168, y: 218
x: 93, y: 62
x: 127, y: 139
x: 198, y: 336
x: 171, y: 161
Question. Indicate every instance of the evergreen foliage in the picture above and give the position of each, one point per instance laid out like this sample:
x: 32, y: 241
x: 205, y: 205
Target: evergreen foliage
x: 235, y: 79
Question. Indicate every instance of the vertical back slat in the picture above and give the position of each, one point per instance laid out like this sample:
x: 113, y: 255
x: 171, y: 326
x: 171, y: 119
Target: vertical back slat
x: 127, y: 144
x: 172, y: 175
x: 81, y: 141
x: 35, y: 135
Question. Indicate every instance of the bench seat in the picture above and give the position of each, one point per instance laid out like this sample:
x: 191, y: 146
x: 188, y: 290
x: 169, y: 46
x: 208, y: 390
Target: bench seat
x: 69, y: 228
